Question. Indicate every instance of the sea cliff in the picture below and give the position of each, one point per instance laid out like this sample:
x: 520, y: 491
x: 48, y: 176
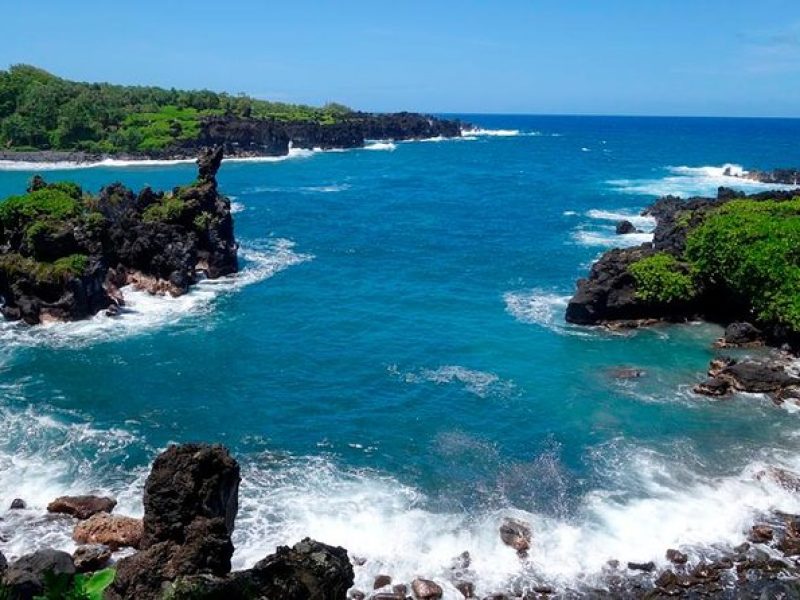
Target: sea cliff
x: 65, y: 254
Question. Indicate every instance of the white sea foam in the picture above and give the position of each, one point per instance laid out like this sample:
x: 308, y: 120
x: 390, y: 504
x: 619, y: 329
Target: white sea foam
x: 480, y: 383
x: 609, y: 215
x: 237, y: 207
x: 309, y: 189
x: 609, y: 239
x: 113, y: 163
x: 144, y: 311
x: 390, y: 146
x: 653, y: 504
x: 684, y: 181
x: 543, y: 308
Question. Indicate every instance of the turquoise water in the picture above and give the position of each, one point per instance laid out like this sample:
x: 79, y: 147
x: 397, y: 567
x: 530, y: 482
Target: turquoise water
x: 392, y: 368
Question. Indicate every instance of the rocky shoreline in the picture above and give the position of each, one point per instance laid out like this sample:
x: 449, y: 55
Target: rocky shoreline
x: 182, y: 549
x: 64, y: 255
x: 241, y: 137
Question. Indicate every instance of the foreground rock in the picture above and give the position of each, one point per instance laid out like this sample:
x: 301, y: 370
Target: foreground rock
x: 516, y: 534
x: 81, y: 507
x: 91, y: 558
x: 625, y: 227
x: 307, y: 570
x: 25, y: 578
x: 64, y: 255
x: 190, y: 503
x: 114, y: 531
x: 767, y: 375
x: 425, y: 589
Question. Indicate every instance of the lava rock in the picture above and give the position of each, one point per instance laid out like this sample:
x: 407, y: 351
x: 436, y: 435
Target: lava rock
x: 114, y: 531
x: 647, y: 567
x: 625, y: 227
x: 381, y: 581
x: 18, y: 504
x: 467, y: 588
x: 742, y: 334
x: 757, y: 376
x: 516, y: 534
x: 761, y: 534
x: 25, y: 577
x: 81, y: 507
x: 676, y: 557
x: 425, y: 589
x: 713, y: 386
x: 91, y: 558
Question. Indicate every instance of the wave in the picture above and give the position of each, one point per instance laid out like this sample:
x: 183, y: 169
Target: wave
x: 237, y: 207
x: 310, y: 189
x: 684, y: 181
x: 608, y: 215
x: 114, y: 163
x: 480, y: 383
x: 610, y: 239
x: 543, y: 308
x: 390, y: 146
x: 651, y: 503
x: 144, y: 312
x: 644, y: 502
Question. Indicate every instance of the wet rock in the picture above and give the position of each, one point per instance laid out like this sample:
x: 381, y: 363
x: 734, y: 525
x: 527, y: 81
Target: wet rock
x: 425, y: 589
x: 91, y: 558
x: 626, y: 373
x: 713, y: 386
x: 81, y: 507
x: 387, y: 596
x: 786, y: 479
x: 757, y: 376
x: 461, y: 562
x: 401, y: 589
x: 467, y: 588
x: 761, y: 534
x: 676, y: 557
x: 25, y: 577
x: 517, y: 535
x: 18, y: 504
x: 717, y: 365
x: 381, y: 581
x: 742, y: 335
x: 3, y: 564
x: 356, y: 595
x: 625, y: 227
x: 647, y: 567
x: 114, y: 531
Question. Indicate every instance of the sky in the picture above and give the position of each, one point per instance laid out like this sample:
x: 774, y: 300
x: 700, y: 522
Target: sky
x: 629, y: 57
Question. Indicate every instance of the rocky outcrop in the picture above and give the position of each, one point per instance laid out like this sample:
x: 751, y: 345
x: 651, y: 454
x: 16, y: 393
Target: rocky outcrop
x: 91, y: 557
x: 516, y: 534
x: 25, y: 577
x: 767, y: 375
x: 268, y: 137
x: 190, y: 502
x: 780, y: 176
x: 625, y: 227
x: 81, y: 507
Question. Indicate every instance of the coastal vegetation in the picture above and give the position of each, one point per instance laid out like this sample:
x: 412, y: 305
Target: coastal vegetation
x: 41, y: 111
x: 745, y: 250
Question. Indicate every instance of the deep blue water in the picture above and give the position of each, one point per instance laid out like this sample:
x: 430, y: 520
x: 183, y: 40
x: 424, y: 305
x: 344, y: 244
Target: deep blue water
x: 392, y: 367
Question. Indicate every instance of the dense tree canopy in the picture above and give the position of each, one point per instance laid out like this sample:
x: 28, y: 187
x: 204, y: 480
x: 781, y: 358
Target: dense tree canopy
x: 41, y: 111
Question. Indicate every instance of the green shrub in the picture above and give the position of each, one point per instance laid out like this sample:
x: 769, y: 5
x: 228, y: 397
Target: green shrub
x: 50, y: 203
x: 752, y: 250
x: 661, y: 278
x: 64, y: 268
x: 90, y: 586
x: 168, y: 210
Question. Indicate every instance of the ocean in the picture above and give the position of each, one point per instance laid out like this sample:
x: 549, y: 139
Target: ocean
x: 392, y: 367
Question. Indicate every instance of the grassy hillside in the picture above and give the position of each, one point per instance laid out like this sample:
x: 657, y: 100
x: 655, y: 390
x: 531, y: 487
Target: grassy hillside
x: 39, y: 111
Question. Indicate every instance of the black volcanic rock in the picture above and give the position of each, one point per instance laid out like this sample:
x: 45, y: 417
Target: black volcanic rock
x: 67, y: 264
x: 25, y: 578
x: 625, y: 227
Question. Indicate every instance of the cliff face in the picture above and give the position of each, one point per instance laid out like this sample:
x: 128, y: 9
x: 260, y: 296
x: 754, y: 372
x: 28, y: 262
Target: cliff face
x: 64, y: 255
x: 264, y: 137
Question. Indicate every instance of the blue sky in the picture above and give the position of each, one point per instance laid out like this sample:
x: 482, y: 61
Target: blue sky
x: 660, y: 57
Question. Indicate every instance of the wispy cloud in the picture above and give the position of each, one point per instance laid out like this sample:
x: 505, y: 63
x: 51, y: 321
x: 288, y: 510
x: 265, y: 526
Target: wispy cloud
x: 772, y: 52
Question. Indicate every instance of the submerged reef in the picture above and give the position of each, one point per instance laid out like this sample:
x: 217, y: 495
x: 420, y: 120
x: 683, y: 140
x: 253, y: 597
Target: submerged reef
x: 65, y: 254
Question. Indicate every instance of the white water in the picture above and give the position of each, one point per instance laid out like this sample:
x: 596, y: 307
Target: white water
x: 390, y: 146
x: 480, y: 383
x: 684, y: 181
x: 144, y: 312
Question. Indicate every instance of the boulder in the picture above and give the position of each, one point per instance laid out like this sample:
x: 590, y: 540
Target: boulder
x: 742, y: 334
x: 91, y: 558
x: 676, y: 557
x: 425, y: 589
x: 81, y: 507
x: 516, y: 534
x: 25, y: 577
x: 467, y: 589
x: 114, y: 531
x: 18, y: 504
x: 713, y: 386
x: 186, y: 483
x: 190, y: 503
x: 786, y: 479
x: 757, y: 376
x: 625, y: 227
x: 647, y: 567
x: 761, y: 534
x: 3, y: 564
x: 381, y: 581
